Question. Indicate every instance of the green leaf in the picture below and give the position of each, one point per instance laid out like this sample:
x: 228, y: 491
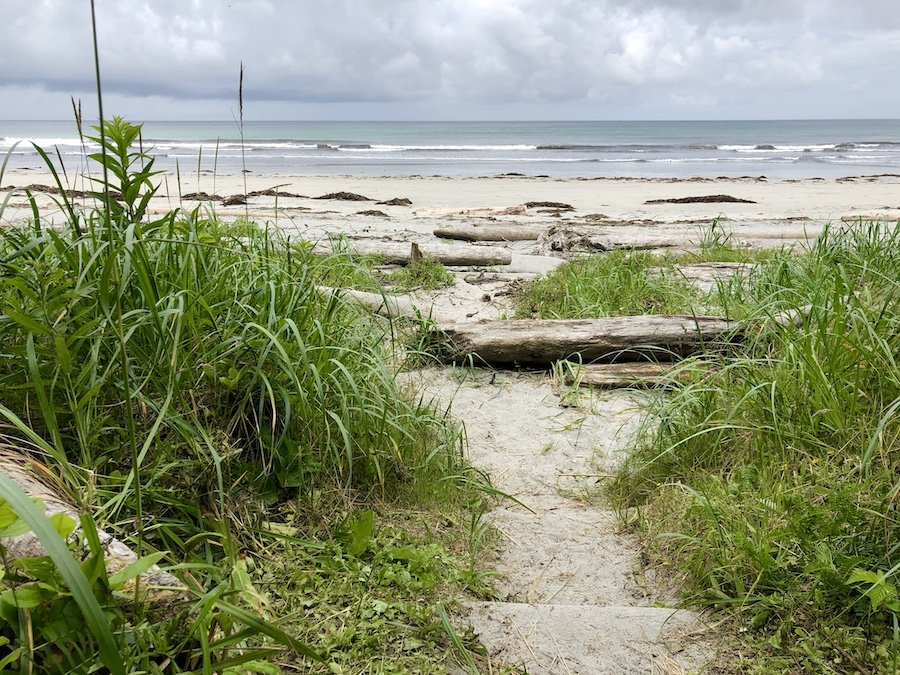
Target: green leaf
x: 860, y: 575
x: 361, y: 528
x: 135, y: 569
x: 56, y: 548
x: 267, y: 628
x: 880, y: 591
x: 234, y: 375
x: 27, y: 322
x: 26, y: 596
x: 10, y: 658
x: 10, y: 523
x: 63, y: 524
x: 62, y: 353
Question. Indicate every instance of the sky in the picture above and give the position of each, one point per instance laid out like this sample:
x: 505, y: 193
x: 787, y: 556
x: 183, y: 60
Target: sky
x: 454, y: 59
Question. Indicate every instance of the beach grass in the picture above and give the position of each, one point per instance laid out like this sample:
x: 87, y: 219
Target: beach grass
x: 424, y: 273
x: 632, y: 283
x: 198, y: 396
x: 770, y: 481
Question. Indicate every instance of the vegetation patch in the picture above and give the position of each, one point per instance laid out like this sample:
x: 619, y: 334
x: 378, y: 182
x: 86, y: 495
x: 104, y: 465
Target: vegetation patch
x: 771, y: 479
x: 187, y: 383
x: 611, y: 284
x: 422, y: 273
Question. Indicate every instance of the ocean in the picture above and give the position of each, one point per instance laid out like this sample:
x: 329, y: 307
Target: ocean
x: 778, y: 149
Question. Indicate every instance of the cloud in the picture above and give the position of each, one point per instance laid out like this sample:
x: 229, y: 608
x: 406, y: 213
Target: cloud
x: 462, y: 56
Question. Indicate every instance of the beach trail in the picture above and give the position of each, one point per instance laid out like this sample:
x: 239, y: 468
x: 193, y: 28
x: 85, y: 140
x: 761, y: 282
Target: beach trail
x: 571, y: 595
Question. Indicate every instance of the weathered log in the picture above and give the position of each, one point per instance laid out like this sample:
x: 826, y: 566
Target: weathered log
x: 624, y: 375
x: 533, y: 342
x: 490, y: 232
x: 388, y: 306
x: 158, y: 588
x: 398, y: 253
x: 538, y: 342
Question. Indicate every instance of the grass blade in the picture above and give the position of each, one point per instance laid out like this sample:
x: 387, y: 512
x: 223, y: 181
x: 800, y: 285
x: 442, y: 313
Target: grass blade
x: 69, y: 569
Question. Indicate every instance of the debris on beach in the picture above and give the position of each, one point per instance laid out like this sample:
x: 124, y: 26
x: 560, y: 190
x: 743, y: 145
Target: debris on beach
x: 557, y: 240
x: 703, y: 199
x: 346, y: 197
x: 485, y: 212
x: 234, y: 200
x: 275, y: 192
x: 373, y: 212
x: 397, y: 201
x: 556, y: 206
x: 201, y: 197
x: 50, y: 190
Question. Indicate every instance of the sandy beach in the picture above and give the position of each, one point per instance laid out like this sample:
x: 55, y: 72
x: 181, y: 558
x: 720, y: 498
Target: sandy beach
x: 786, y: 209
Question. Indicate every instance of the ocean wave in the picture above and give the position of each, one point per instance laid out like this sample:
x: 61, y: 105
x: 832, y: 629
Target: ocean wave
x: 769, y: 147
x: 9, y: 141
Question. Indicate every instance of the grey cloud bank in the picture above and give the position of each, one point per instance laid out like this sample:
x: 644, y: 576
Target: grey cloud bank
x: 457, y: 59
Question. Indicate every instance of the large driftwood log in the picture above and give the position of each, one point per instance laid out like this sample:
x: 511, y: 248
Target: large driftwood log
x: 492, y: 232
x: 398, y: 253
x: 621, y: 338
x: 158, y: 588
x: 538, y: 342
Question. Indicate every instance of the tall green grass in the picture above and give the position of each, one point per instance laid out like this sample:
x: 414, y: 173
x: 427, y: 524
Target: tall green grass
x: 192, y: 385
x: 628, y: 283
x: 609, y: 284
x: 772, y: 480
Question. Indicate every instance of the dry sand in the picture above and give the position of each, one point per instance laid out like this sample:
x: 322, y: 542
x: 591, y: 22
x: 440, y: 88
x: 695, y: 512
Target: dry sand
x: 782, y: 209
x: 572, y: 595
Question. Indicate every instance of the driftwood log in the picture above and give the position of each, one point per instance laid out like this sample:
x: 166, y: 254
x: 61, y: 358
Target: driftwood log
x: 398, y: 253
x: 388, y: 306
x: 625, y: 375
x: 490, y: 232
x: 539, y: 342
x: 158, y: 588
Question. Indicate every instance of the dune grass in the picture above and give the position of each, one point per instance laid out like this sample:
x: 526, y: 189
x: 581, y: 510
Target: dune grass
x: 630, y: 283
x: 771, y: 480
x: 618, y: 283
x: 198, y: 395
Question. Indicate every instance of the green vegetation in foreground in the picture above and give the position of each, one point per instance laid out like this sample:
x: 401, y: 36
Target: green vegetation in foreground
x: 771, y: 481
x: 199, y: 397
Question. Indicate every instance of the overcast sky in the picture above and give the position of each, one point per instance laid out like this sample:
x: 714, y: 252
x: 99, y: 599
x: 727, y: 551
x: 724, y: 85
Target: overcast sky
x: 455, y: 59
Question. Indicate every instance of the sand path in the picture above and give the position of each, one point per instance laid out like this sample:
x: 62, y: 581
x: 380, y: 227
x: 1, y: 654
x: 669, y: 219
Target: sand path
x: 571, y: 595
